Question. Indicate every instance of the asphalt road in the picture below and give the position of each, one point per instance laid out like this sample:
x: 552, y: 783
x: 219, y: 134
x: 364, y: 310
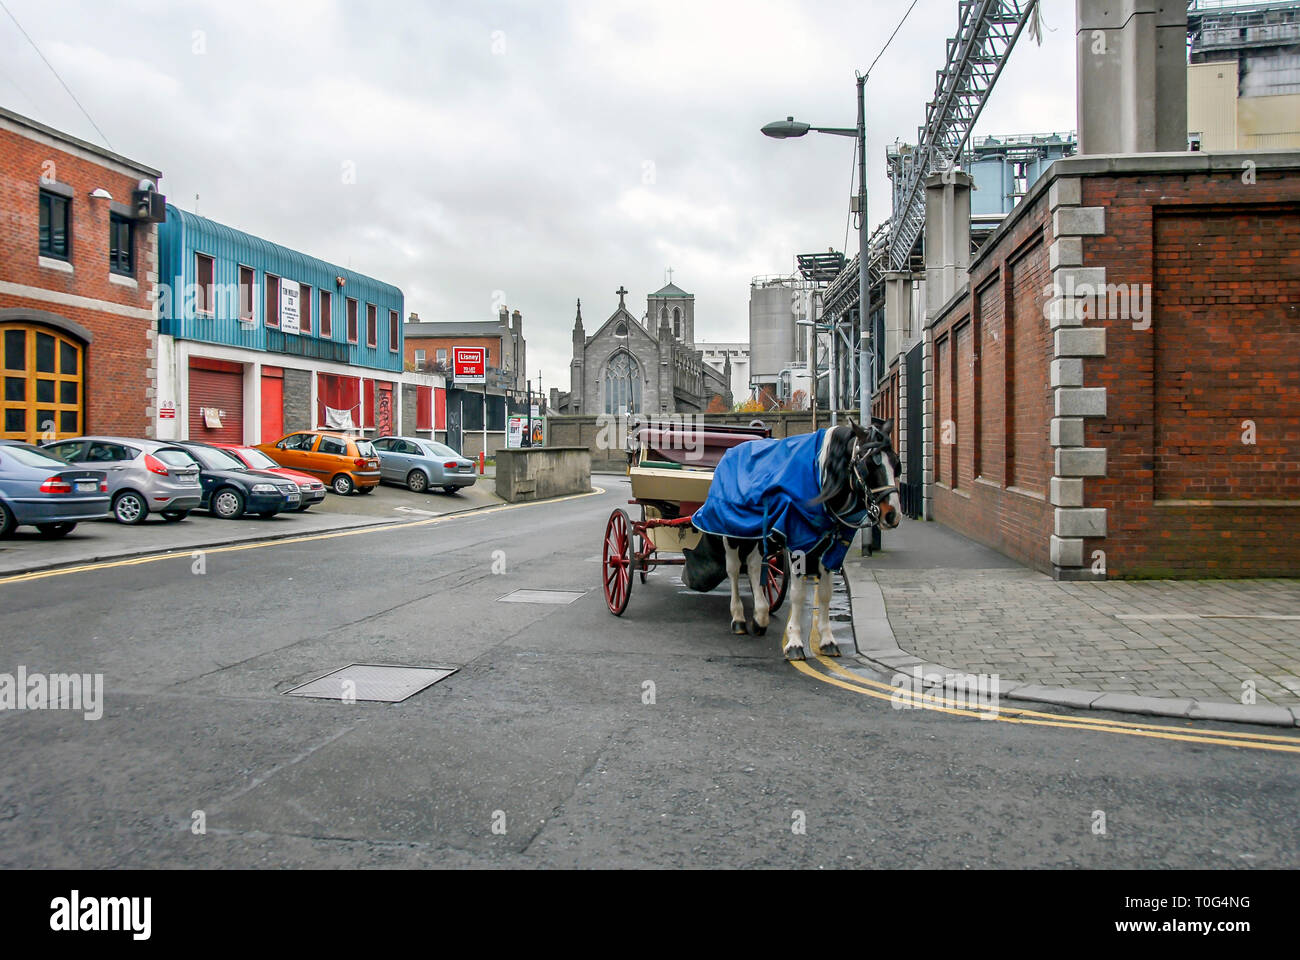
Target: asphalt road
x: 543, y: 733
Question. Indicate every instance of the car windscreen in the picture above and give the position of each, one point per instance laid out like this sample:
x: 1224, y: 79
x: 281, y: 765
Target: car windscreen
x: 31, y: 457
x: 216, y: 459
x: 174, y: 457
x: 257, y: 460
x: 440, y: 450
x: 366, y: 449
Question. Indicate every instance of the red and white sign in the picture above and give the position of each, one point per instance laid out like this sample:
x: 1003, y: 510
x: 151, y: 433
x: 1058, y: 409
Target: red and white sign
x: 167, y: 411
x: 469, y: 364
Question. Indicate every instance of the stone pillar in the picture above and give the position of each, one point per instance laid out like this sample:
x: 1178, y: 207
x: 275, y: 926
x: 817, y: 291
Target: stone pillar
x: 947, y: 236
x: 1131, y: 86
x: 898, y: 313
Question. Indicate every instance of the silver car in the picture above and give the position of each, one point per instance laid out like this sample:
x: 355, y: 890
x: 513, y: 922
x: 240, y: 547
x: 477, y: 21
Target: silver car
x: 420, y: 464
x: 144, y: 476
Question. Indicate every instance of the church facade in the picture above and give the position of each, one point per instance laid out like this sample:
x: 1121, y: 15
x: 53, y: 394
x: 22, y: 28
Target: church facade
x: 646, y: 366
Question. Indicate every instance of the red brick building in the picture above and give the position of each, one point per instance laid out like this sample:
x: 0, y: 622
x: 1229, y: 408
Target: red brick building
x: 1116, y: 391
x: 77, y: 267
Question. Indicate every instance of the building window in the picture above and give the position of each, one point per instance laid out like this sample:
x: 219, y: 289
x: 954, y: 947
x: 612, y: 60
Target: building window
x: 419, y: 359
x: 55, y: 234
x: 121, y: 245
x: 441, y: 357
x: 623, y: 385
x: 326, y: 321
x: 393, y: 331
x: 204, y: 269
x: 41, y: 371
x: 372, y: 326
x: 304, y: 307
x: 271, y: 313
x: 352, y: 320
x: 677, y: 322
x: 246, y: 278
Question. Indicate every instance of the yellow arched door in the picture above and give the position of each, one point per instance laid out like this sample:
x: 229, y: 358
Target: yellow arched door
x: 43, y: 397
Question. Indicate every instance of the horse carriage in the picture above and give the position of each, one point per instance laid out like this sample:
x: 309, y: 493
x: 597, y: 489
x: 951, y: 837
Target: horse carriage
x: 671, y: 467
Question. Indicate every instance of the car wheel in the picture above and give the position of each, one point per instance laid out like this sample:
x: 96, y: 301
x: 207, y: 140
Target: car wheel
x: 417, y: 482
x: 7, y: 522
x: 174, y: 516
x: 129, y: 507
x: 450, y: 489
x: 342, y: 485
x: 52, y: 531
x: 228, y: 504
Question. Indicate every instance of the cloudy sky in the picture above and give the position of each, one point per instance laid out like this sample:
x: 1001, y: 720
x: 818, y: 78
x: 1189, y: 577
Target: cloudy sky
x: 529, y: 153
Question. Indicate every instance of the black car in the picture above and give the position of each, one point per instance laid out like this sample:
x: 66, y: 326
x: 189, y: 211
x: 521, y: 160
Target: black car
x: 230, y: 489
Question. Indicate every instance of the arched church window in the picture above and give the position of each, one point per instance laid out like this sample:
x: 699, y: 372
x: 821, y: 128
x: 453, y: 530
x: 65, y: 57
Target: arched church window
x: 622, y: 385
x: 677, y: 321
x: 621, y: 329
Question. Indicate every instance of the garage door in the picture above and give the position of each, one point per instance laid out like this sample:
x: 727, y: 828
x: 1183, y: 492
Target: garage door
x: 272, y: 404
x: 216, y: 399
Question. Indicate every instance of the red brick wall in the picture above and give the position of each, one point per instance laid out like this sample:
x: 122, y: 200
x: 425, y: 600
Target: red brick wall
x: 1223, y: 347
x: 431, y: 346
x: 116, y: 362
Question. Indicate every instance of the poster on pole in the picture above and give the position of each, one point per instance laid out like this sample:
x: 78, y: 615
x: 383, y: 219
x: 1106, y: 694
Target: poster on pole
x: 517, y: 426
x: 469, y: 365
x: 290, y: 316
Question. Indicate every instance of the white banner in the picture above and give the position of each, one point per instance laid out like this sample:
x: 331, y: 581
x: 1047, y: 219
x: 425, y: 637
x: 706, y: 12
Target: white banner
x: 338, y: 419
x: 290, y: 317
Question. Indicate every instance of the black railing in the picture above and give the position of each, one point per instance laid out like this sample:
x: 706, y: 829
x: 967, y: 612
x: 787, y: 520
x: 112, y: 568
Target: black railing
x: 277, y: 341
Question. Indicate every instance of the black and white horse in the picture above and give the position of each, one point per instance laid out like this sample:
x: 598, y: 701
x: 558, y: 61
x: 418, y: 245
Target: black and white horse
x: 857, y: 471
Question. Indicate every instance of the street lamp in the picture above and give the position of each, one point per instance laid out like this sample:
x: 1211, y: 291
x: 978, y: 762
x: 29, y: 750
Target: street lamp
x: 789, y: 128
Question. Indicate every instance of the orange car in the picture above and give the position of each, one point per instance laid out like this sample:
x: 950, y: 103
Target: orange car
x: 344, y: 463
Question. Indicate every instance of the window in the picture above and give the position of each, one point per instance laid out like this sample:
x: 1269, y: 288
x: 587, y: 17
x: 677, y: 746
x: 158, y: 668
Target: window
x: 304, y: 307
x: 352, y: 320
x: 246, y: 277
x: 623, y: 385
x: 121, y: 245
x: 204, y: 268
x: 41, y: 372
x: 110, y: 453
x: 621, y: 329
x: 298, y: 441
x: 334, y: 446
x: 372, y: 326
x: 419, y: 359
x: 677, y: 321
x: 326, y: 321
x: 394, y: 329
x: 55, y: 235
x: 272, y: 314
x: 442, y: 356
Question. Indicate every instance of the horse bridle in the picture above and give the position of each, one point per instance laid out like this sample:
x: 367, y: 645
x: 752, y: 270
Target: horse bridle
x: 873, y: 496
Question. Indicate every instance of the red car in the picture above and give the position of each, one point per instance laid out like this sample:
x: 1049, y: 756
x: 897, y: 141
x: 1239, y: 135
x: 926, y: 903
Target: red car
x: 312, y: 490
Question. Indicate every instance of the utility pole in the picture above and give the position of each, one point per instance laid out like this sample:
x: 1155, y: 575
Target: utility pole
x: 865, y: 346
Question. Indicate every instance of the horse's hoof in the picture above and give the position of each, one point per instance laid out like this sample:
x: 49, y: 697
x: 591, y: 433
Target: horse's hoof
x: 738, y: 628
x: 828, y: 649
x: 760, y: 631
x: 794, y: 653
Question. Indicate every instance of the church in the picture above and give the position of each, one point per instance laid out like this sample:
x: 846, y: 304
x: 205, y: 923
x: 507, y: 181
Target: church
x: 642, y: 366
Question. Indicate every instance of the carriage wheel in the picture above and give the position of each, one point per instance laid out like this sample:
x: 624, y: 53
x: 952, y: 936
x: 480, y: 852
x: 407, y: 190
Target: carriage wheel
x: 778, y: 579
x: 617, y: 563
x: 643, y: 548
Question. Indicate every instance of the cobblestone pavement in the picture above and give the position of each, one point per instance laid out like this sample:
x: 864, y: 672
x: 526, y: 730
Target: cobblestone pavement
x: 1201, y: 639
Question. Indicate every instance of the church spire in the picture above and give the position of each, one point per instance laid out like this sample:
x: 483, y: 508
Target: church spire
x: 578, y: 321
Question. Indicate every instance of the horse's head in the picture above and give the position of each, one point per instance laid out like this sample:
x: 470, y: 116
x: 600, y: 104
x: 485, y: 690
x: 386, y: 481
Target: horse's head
x: 859, y: 475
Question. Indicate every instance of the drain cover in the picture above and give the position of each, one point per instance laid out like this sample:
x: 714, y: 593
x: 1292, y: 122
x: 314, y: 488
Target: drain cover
x: 541, y: 596
x: 372, y: 682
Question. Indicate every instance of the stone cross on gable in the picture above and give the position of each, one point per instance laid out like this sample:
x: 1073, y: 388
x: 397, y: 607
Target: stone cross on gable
x: 670, y: 274
x: 621, y: 294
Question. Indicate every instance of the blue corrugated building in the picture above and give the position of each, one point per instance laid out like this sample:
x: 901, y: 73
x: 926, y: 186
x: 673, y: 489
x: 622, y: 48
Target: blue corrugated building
x: 256, y: 340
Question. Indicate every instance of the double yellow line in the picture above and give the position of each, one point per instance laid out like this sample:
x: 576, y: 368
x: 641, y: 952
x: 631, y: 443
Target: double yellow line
x: 838, y: 676
x: 184, y: 553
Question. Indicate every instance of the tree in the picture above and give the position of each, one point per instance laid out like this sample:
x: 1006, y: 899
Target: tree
x: 717, y: 405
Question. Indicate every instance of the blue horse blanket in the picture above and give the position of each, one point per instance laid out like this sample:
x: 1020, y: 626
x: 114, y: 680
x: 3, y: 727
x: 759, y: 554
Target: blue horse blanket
x: 766, y: 486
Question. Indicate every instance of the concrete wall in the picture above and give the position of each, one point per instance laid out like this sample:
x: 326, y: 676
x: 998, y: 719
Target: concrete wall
x: 538, y: 473
x: 297, y: 401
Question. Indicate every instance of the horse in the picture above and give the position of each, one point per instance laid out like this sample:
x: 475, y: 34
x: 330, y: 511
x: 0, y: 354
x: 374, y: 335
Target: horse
x: 853, y: 475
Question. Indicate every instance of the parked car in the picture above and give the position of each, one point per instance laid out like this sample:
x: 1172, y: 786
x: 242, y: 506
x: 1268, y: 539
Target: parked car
x: 345, y: 463
x: 311, y: 489
x: 47, y: 493
x: 421, y: 464
x: 143, y: 475
x: 231, y: 490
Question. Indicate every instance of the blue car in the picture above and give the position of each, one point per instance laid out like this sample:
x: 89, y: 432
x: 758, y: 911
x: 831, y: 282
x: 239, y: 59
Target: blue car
x: 47, y: 493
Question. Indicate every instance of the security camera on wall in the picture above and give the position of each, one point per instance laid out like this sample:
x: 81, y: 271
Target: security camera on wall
x: 148, y: 204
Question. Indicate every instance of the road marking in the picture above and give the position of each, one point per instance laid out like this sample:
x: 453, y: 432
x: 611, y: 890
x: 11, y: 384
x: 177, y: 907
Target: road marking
x: 187, y: 553
x: 1017, y: 715
x: 425, y: 513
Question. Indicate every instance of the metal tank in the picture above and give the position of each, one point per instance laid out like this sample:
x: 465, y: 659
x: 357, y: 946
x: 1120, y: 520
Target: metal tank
x: 771, y: 327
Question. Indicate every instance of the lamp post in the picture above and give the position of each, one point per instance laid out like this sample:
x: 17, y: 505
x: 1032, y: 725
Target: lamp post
x: 788, y: 128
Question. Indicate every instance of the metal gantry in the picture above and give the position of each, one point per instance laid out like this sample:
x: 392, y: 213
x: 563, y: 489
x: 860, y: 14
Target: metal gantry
x: 986, y: 32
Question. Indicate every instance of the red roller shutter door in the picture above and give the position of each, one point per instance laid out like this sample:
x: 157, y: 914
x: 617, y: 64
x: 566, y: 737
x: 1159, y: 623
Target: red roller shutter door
x: 272, y: 404
x: 215, y: 384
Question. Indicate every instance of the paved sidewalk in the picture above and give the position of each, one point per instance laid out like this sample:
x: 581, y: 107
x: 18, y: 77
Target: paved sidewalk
x: 955, y: 606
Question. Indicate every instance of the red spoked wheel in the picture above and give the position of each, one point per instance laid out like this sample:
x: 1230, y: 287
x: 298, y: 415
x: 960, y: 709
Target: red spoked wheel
x: 617, y: 562
x: 644, y: 548
x: 777, y: 579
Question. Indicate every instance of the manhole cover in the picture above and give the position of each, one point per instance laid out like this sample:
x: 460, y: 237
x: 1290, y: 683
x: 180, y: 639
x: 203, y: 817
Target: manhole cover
x: 372, y: 682
x: 541, y: 596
